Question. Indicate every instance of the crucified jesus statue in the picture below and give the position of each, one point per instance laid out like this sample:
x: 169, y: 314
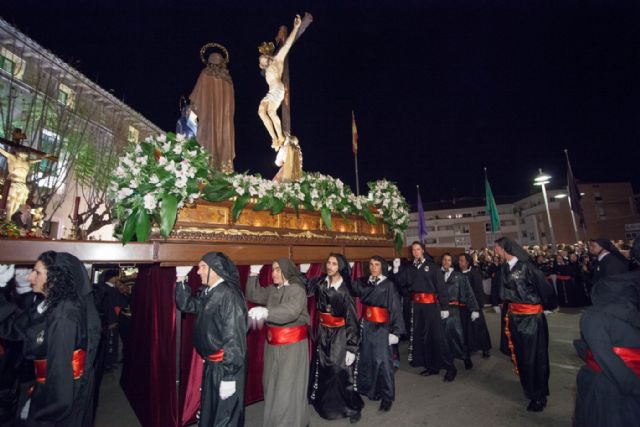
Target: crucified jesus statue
x: 273, y: 67
x: 18, y: 165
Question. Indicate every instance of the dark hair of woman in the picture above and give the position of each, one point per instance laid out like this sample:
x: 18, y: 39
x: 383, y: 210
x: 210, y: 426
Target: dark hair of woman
x: 59, y: 286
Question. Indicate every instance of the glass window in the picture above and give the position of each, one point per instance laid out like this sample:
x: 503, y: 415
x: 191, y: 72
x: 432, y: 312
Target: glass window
x: 133, y: 134
x: 66, y: 95
x: 11, y: 63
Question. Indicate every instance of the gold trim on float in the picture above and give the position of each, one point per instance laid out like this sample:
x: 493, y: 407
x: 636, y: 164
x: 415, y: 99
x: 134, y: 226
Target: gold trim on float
x: 226, y: 232
x: 307, y: 235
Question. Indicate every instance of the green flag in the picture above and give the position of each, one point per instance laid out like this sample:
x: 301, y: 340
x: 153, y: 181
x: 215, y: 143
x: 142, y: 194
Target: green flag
x: 490, y: 207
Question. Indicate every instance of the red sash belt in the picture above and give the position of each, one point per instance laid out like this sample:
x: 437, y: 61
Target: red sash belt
x: 375, y: 314
x: 630, y: 357
x: 217, y: 356
x: 567, y: 278
x: 525, y: 308
x: 77, y: 363
x: 281, y: 336
x: 424, y: 298
x: 331, y: 321
x: 457, y: 303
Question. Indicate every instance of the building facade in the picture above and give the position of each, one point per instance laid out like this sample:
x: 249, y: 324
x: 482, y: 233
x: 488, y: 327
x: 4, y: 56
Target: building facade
x: 609, y: 208
x: 63, y: 113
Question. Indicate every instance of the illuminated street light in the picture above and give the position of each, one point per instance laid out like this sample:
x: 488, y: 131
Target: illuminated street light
x: 542, y: 180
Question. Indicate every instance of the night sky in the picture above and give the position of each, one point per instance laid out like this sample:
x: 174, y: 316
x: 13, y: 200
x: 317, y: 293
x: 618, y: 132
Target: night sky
x: 439, y: 88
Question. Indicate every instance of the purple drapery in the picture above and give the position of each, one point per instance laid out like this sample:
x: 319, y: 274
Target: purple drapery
x: 149, y: 371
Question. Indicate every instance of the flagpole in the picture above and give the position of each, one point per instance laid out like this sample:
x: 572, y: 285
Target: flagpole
x: 573, y: 216
x: 492, y: 235
x: 355, y: 157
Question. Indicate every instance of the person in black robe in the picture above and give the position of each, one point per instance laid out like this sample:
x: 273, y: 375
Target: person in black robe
x: 381, y: 326
x: 61, y: 337
x: 608, y: 392
x: 331, y: 390
x: 609, y: 260
x: 105, y: 304
x: 462, y: 303
x: 476, y: 331
x: 427, y: 340
x: 527, y: 296
x: 219, y: 336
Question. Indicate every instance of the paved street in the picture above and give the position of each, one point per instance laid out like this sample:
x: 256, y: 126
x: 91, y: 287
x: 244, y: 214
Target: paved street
x: 489, y: 395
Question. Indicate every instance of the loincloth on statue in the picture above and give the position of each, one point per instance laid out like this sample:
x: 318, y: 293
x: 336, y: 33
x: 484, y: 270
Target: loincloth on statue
x: 275, y: 95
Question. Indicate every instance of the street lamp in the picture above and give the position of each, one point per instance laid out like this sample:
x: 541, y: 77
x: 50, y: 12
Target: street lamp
x: 542, y: 180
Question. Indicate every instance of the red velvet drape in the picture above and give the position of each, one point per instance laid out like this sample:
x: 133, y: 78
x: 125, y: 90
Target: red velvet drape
x: 148, y: 377
x: 149, y: 371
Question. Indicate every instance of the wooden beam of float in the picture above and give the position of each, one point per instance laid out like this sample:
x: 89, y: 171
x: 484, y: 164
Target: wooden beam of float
x: 255, y: 238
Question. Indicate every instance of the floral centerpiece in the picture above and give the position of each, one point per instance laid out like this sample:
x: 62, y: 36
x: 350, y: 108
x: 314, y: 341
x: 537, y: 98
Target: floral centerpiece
x: 154, y: 179
x: 158, y: 176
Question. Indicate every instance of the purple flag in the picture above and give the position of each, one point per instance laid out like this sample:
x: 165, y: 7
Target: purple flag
x: 422, y: 225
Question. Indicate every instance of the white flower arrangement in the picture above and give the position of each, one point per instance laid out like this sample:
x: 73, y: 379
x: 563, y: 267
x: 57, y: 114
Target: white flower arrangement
x: 154, y: 178
x: 157, y: 176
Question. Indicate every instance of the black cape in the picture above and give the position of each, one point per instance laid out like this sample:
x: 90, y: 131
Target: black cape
x: 331, y: 389
x: 525, y: 284
x: 459, y: 290
x: 611, y: 397
x: 476, y: 332
x: 221, y: 324
x: 374, y: 365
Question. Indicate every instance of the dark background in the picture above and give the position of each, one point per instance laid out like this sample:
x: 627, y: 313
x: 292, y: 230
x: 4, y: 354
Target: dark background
x: 440, y: 89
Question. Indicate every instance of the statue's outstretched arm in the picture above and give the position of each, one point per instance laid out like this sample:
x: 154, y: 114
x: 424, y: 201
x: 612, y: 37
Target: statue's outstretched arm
x: 7, y: 154
x: 284, y: 50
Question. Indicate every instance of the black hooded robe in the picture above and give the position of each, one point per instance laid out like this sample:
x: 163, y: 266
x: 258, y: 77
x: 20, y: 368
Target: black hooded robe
x: 461, y: 302
x: 608, y: 392
x: 476, y: 332
x: 427, y: 339
x: 221, y: 324
x: 525, y: 284
x: 374, y: 362
x: 60, y: 400
x: 331, y: 390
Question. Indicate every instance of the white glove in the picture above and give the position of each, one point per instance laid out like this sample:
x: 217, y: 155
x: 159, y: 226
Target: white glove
x: 182, y: 272
x: 444, y: 314
x: 396, y: 265
x: 6, y: 273
x: 304, y: 268
x: 227, y: 389
x: 351, y: 264
x: 24, y: 413
x: 393, y: 339
x: 257, y: 316
x: 548, y: 312
x: 255, y: 270
x: 496, y: 308
x: 475, y: 315
x: 349, y: 358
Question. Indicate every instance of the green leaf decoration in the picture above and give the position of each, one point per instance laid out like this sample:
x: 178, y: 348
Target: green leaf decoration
x: 129, y: 228
x: 264, y: 204
x: 368, y: 216
x: 278, y: 206
x: 143, y: 225
x: 399, y: 241
x: 168, y: 213
x: 326, y: 217
x: 239, y: 205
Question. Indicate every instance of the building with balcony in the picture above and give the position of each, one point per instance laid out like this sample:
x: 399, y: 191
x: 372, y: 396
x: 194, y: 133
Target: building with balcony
x: 610, y: 211
x: 64, y: 113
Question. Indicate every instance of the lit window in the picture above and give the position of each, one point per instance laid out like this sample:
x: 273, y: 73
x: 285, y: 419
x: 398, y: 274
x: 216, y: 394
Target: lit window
x: 133, y: 135
x: 12, y: 63
x: 66, y: 96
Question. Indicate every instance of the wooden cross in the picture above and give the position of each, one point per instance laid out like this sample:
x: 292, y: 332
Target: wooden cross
x: 280, y: 39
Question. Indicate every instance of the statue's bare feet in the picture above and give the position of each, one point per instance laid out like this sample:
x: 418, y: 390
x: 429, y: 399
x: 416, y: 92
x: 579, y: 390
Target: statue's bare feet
x: 274, y: 144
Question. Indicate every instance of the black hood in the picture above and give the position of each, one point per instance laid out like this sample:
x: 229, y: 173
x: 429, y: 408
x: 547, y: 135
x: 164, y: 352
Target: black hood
x: 619, y: 296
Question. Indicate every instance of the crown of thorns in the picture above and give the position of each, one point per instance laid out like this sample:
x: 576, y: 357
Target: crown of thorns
x: 266, y: 48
